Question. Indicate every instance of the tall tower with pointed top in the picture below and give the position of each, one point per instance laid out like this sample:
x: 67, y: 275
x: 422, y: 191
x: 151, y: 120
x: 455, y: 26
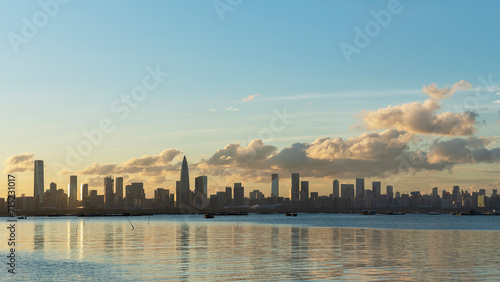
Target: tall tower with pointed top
x: 185, y: 191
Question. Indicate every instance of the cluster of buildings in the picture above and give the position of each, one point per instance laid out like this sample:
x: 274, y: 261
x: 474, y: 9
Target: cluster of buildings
x: 344, y: 196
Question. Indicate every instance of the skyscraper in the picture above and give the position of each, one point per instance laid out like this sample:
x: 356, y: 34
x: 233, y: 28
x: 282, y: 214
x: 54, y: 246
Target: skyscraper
x: 335, y: 189
x: 72, y: 193
x: 294, y: 191
x: 38, y: 188
x: 185, y: 191
x: 347, y: 190
x: 376, y: 187
x: 304, y: 190
x: 360, y: 187
x: 275, y: 186
x: 239, y: 195
x: 84, y: 192
x: 390, y: 191
x: 108, y: 192
x: 229, y: 197
x: 200, y: 192
x: 119, y: 190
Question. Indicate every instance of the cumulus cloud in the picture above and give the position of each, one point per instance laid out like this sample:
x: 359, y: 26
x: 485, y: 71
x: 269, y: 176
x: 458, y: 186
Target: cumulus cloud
x: 251, y: 97
x: 458, y: 150
x: 423, y: 118
x: 444, y: 93
x: 232, y: 154
x: 146, y: 165
x: 369, y: 155
x: 369, y: 146
x: 19, y: 163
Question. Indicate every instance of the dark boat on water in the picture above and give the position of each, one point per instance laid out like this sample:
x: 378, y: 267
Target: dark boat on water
x: 290, y: 214
x: 207, y: 215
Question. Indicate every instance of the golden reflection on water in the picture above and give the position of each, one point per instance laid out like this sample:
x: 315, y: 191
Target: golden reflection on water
x: 203, y: 250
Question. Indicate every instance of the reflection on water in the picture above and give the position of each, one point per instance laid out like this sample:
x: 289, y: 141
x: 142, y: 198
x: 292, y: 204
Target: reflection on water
x: 52, y: 249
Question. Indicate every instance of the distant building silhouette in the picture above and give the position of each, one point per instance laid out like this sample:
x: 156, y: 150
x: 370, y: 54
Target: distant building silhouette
x: 229, y: 197
x: 304, y: 190
x: 376, y: 187
x: 200, y: 192
x: 360, y: 187
x: 185, y: 198
x: 38, y: 188
x: 336, y: 189
x: 119, y: 192
x: 239, y: 195
x: 72, y: 191
x: 294, y: 191
x: 108, y: 192
x: 275, y: 185
x: 347, y: 190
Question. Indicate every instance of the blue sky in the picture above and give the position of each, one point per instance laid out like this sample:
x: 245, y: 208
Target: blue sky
x: 65, y: 78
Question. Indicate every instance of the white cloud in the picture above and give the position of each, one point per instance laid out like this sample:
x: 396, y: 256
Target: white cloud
x: 251, y: 97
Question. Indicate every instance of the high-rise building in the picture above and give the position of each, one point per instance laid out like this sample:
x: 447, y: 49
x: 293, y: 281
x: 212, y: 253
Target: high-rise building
x: 275, y: 186
x: 239, y: 195
x: 304, y: 190
x: 200, y: 192
x: 389, y: 191
x: 376, y: 187
x: 256, y: 195
x: 294, y: 191
x: 108, y: 192
x: 84, y: 192
x: 72, y: 189
x: 229, y: 197
x: 185, y: 191
x: 336, y: 189
x: 177, y: 193
x: 53, y: 188
x: 456, y: 195
x: 434, y: 192
x: 347, y: 190
x: 360, y: 187
x: 119, y: 190
x: 38, y: 188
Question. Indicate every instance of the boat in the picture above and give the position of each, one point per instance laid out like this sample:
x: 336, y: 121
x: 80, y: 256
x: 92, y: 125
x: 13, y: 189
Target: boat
x: 290, y: 214
x: 207, y: 215
x: 369, y: 212
x: 21, y: 217
x: 433, y: 213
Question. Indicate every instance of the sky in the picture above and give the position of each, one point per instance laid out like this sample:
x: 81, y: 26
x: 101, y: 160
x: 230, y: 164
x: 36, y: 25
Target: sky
x: 402, y: 92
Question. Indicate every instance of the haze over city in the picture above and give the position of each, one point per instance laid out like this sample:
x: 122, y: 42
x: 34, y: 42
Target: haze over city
x: 313, y: 91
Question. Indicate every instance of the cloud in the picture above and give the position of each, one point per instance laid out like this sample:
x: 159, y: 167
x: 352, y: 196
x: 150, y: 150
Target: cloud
x: 368, y: 155
x: 147, y: 165
x: 445, y: 93
x: 231, y: 109
x: 459, y: 151
x: 251, y: 97
x: 368, y: 146
x: 212, y: 110
x: 19, y: 163
x: 235, y: 154
x: 423, y: 118
x: 496, y: 101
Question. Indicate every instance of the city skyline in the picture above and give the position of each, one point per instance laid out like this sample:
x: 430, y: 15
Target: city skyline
x: 243, y: 98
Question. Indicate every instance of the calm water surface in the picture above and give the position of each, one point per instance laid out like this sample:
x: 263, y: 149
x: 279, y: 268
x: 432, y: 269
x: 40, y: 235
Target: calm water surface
x: 257, y: 247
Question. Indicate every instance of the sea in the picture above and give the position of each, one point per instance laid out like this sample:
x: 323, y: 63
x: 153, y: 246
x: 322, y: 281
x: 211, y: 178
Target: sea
x: 254, y: 247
